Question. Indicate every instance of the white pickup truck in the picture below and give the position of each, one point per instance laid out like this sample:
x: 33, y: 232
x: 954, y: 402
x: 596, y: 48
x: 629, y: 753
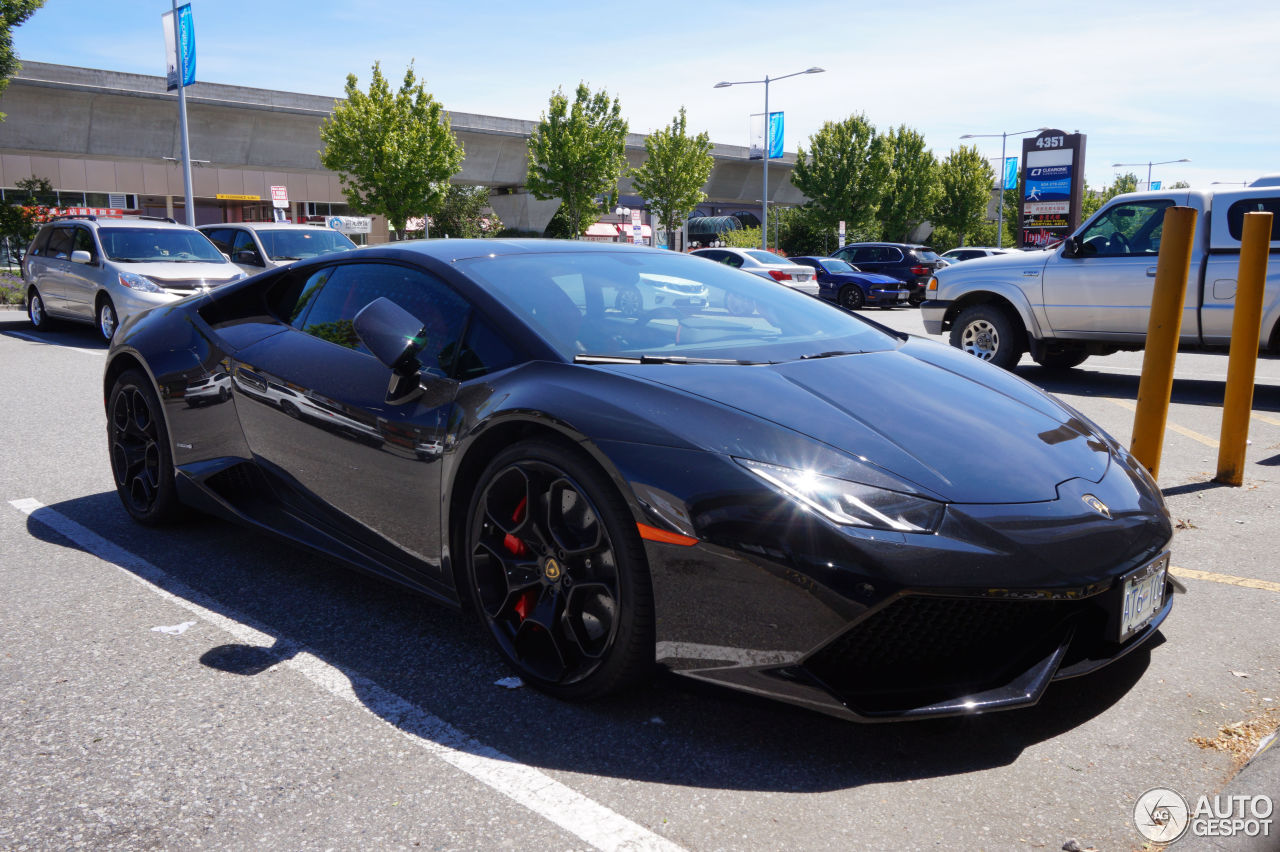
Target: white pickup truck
x: 1091, y: 294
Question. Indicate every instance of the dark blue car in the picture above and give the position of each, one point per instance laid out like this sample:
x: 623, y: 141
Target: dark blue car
x: 852, y: 288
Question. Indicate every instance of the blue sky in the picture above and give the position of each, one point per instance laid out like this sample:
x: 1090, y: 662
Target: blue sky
x: 1144, y: 81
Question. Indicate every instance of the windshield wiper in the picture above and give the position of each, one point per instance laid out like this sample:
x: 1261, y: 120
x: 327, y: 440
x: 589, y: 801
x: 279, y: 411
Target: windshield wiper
x: 662, y: 359
x: 832, y: 354
x: 284, y: 257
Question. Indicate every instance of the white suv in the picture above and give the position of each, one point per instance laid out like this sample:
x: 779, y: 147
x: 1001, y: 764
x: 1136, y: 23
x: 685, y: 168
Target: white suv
x: 255, y: 246
x: 102, y: 271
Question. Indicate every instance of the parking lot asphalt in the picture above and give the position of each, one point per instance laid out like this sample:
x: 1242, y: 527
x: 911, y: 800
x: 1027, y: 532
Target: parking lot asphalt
x: 206, y: 686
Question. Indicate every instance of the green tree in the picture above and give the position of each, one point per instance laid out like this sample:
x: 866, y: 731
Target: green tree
x: 577, y: 154
x: 675, y: 169
x: 746, y: 238
x: 1092, y: 201
x: 13, y: 13
x: 913, y: 187
x: 465, y: 213
x: 966, y: 179
x: 798, y: 232
x: 22, y: 214
x: 393, y: 152
x: 845, y: 173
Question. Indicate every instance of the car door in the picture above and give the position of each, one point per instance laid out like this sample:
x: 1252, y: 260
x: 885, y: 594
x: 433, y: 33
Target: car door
x: 81, y: 281
x: 1104, y: 289
x: 313, y: 405
x: 50, y: 267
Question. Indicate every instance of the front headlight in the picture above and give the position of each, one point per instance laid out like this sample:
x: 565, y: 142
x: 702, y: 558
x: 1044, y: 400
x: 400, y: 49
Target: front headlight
x: 850, y: 503
x: 134, y: 281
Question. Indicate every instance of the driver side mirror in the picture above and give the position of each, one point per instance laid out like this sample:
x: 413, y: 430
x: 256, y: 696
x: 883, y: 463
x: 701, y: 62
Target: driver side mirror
x: 395, y: 337
x: 1072, y: 247
x: 247, y: 256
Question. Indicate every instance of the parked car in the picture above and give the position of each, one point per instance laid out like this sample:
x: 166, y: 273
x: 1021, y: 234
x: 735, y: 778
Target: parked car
x: 766, y: 264
x: 908, y: 262
x: 744, y: 500
x: 651, y: 291
x: 255, y: 246
x: 956, y: 255
x: 850, y: 287
x: 102, y: 271
x: 1091, y: 295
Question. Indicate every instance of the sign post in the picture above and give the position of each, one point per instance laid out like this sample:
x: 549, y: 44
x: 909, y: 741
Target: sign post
x: 1052, y: 187
x: 180, y: 72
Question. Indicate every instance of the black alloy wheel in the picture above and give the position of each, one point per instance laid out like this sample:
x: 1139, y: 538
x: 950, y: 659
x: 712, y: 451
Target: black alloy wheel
x: 558, y: 574
x: 629, y: 302
x: 140, y: 456
x: 852, y: 297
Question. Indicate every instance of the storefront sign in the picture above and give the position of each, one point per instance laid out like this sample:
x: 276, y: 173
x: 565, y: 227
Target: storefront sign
x: 350, y: 224
x: 85, y: 211
x: 227, y: 196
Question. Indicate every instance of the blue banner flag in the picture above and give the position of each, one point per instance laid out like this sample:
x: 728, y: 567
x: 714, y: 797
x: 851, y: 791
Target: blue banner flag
x: 179, y: 48
x: 1011, y: 173
x: 775, y: 135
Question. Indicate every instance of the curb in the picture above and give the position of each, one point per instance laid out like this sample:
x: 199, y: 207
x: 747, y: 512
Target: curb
x: 1260, y: 776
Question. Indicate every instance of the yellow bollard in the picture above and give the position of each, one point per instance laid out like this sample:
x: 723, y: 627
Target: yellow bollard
x: 1167, y: 297
x: 1246, y: 328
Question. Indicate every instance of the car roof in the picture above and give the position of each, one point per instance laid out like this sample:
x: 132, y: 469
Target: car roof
x: 136, y: 222
x: 450, y: 250
x: 895, y: 245
x: 265, y: 226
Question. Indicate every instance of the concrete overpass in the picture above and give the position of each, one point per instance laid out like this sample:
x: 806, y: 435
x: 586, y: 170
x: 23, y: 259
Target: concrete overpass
x: 95, y: 131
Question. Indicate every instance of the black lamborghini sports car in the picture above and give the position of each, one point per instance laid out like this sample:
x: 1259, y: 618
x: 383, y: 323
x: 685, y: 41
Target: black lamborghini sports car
x: 794, y: 502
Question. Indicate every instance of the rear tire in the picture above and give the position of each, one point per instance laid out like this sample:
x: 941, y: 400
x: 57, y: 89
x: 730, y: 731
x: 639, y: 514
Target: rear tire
x: 141, y: 460
x: 988, y: 332
x: 36, y: 311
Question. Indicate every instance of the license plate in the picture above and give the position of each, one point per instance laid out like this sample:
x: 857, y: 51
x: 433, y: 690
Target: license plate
x: 1143, y: 596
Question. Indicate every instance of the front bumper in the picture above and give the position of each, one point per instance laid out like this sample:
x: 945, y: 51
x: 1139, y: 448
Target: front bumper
x: 933, y: 311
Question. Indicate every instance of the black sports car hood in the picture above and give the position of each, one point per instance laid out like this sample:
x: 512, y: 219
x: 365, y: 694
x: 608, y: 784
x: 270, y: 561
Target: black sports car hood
x: 926, y: 413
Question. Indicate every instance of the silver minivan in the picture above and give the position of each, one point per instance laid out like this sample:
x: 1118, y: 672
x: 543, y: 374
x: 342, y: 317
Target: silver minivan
x: 102, y: 271
x: 255, y: 246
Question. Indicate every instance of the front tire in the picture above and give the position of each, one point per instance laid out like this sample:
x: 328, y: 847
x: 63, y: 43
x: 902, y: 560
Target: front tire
x: 1060, y: 356
x: 987, y: 332
x: 141, y: 459
x: 558, y: 574
x: 107, y: 321
x: 852, y: 298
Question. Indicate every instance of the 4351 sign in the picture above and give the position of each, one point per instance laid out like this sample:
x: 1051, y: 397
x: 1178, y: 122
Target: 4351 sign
x: 1052, y: 186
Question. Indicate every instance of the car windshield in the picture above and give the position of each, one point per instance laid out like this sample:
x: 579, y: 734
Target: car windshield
x: 657, y: 305
x: 833, y: 265
x: 158, y: 245
x: 761, y: 256
x: 295, y: 244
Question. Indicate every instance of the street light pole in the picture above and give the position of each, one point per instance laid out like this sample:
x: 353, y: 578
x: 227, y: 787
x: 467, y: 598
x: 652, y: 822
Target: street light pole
x: 1149, y: 164
x: 1004, y: 138
x: 764, y: 204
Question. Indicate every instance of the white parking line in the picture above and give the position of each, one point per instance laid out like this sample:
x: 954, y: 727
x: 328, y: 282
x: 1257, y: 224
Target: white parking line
x: 537, y: 791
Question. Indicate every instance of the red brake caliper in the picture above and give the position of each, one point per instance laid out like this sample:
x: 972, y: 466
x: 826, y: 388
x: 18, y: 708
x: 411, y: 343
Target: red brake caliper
x: 516, y: 547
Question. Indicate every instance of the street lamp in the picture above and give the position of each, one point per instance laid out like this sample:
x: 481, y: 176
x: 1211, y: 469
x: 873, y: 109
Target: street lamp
x: 1149, y: 165
x: 764, y: 219
x: 1004, y: 141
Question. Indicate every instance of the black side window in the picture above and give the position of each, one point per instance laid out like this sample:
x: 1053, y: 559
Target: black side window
x: 84, y: 242
x: 345, y: 289
x: 1235, y: 215
x: 60, y: 242
x: 892, y: 255
x: 483, y: 351
x: 221, y: 237
x: 244, y: 250
x: 40, y: 244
